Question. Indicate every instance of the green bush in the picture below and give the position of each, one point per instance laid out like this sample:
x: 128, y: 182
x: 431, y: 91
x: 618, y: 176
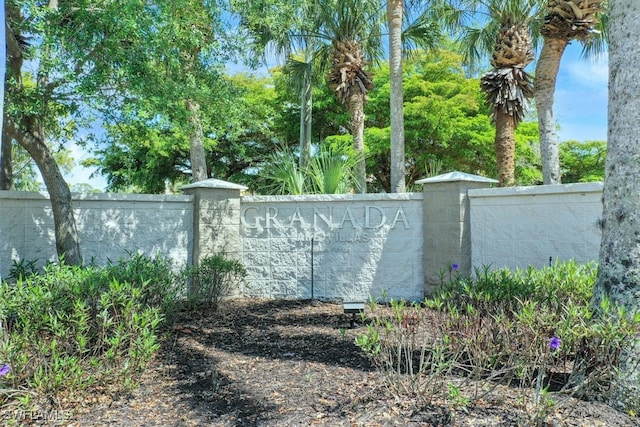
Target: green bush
x: 159, y: 285
x: 71, y: 329
x: 212, y: 280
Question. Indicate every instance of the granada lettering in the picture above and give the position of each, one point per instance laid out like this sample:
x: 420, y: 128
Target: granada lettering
x: 325, y: 218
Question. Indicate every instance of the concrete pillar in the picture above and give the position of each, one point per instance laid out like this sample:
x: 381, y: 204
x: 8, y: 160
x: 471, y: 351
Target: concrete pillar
x: 447, y: 228
x: 216, y: 218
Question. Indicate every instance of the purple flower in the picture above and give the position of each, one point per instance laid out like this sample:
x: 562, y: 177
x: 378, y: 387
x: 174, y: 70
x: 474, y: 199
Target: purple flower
x: 554, y: 343
x: 455, y: 266
x: 4, y: 370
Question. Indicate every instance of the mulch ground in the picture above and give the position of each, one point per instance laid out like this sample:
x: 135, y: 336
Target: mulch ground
x: 294, y: 363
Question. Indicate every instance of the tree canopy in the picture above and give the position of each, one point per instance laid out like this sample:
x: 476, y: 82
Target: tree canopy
x: 133, y: 67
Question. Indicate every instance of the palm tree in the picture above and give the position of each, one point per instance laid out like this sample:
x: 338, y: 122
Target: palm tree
x: 564, y: 20
x: 286, y: 35
x: 395, y: 11
x: 617, y: 279
x: 352, y: 27
x: 507, y: 87
x: 301, y: 73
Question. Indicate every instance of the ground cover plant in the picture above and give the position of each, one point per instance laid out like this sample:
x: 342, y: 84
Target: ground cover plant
x: 533, y: 329
x: 69, y: 332
x: 439, y: 362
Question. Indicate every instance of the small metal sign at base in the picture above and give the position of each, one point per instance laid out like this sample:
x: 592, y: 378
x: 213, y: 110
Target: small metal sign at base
x: 353, y: 308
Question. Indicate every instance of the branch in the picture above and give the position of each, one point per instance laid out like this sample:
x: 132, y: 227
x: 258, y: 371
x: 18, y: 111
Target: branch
x: 13, y: 46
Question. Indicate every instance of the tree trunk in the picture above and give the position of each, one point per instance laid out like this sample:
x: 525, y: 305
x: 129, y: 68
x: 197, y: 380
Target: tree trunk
x: 6, y: 163
x: 306, y: 105
x: 32, y: 137
x: 505, y: 146
x: 356, y: 109
x: 544, y: 90
x: 196, y: 142
x: 394, y: 13
x: 66, y: 234
x: 11, y: 80
x: 619, y: 267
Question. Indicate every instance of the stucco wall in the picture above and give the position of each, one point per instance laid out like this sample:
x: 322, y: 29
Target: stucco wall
x: 522, y: 226
x: 362, y: 245
x: 109, y: 225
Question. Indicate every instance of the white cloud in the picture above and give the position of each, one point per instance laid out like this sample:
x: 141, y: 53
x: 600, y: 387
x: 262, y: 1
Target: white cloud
x: 588, y: 72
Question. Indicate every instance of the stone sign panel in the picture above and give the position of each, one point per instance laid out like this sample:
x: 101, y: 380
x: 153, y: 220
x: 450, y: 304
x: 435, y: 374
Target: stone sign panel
x: 352, y: 248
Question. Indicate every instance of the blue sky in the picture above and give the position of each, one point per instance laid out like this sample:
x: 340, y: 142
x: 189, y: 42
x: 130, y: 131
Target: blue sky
x: 580, y: 104
x: 581, y: 99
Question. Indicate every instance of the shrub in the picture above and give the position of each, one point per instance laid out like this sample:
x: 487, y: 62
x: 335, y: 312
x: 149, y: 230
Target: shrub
x: 72, y: 329
x: 498, y: 327
x: 212, y: 280
x: 159, y: 285
x: 22, y: 268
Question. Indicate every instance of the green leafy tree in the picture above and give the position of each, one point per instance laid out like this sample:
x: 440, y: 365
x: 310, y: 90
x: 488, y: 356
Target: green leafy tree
x: 173, y: 74
x: 177, y: 74
x: 150, y: 153
x: 583, y: 161
x: 446, y: 122
x: 88, y: 56
x: 38, y: 103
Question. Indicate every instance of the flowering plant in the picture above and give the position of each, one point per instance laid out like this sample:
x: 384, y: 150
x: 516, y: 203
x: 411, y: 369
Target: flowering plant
x: 4, y: 369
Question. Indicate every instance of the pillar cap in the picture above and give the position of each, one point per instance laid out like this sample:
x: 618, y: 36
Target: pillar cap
x: 214, y: 183
x: 456, y: 176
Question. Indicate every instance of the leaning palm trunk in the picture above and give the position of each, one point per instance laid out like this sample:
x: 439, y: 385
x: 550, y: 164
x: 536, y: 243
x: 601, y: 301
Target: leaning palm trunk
x: 619, y: 267
x: 350, y: 84
x: 544, y: 88
x: 565, y: 20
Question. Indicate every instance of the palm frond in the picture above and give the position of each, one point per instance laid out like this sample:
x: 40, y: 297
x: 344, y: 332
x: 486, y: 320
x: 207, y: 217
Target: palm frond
x: 507, y: 91
x: 282, y: 175
x: 596, y: 45
x: 331, y: 169
x: 423, y: 33
x: 478, y: 23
